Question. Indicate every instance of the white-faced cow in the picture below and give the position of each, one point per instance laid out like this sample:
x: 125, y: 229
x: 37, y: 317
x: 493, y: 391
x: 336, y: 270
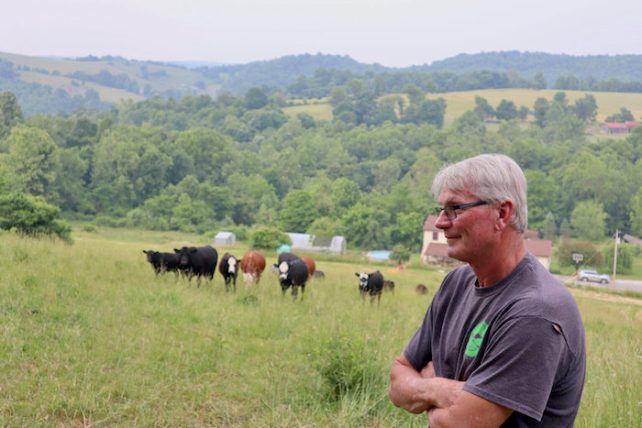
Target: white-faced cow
x: 292, y: 273
x: 162, y: 262
x: 198, y: 261
x: 371, y: 284
x: 252, y: 265
x: 229, y: 269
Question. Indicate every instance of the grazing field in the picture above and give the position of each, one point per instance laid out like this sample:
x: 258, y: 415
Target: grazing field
x: 90, y: 337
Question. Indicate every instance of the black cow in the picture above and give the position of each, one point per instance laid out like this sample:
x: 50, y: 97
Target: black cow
x: 229, y: 269
x: 389, y: 285
x: 198, y: 261
x: 370, y: 283
x: 286, y: 257
x: 162, y: 262
x: 293, y: 273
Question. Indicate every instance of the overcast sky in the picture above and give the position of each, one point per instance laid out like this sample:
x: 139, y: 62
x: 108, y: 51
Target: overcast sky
x: 395, y: 33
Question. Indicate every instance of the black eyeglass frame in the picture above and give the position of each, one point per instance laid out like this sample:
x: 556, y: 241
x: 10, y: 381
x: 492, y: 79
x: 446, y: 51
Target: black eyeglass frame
x: 451, y: 210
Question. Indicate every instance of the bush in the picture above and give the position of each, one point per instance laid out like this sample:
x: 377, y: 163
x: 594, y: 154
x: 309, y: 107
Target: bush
x: 566, y: 249
x: 268, y: 238
x: 347, y: 367
x: 32, y: 215
x: 625, y: 254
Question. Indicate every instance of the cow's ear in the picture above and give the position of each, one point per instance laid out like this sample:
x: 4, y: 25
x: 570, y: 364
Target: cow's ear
x: 356, y: 274
x: 145, y: 251
x: 176, y: 250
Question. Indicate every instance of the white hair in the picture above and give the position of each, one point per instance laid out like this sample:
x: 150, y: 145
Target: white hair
x: 490, y: 177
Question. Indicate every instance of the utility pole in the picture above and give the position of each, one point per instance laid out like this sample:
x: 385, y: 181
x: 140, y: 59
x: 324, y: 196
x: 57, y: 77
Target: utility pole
x: 617, y: 239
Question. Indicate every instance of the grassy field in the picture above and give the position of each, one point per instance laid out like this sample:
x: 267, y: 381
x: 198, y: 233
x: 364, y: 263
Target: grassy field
x: 89, y: 336
x: 459, y: 102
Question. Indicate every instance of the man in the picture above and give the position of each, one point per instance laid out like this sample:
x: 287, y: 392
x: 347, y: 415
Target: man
x: 502, y: 343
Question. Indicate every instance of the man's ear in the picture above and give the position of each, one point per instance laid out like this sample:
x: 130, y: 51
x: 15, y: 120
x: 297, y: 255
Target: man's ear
x: 505, y: 214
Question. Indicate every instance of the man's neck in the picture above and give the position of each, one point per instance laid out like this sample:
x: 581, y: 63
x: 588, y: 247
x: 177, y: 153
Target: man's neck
x: 500, y: 262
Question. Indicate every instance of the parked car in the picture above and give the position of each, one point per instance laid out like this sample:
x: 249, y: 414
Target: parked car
x: 593, y: 276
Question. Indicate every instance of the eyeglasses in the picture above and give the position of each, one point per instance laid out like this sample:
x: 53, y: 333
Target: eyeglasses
x: 451, y: 210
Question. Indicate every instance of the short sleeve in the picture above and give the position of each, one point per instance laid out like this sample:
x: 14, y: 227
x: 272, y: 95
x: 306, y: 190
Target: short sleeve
x: 520, y: 360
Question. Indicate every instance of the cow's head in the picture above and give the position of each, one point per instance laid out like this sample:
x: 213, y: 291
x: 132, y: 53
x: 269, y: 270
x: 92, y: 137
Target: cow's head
x: 232, y: 265
x: 284, y: 269
x: 183, y: 256
x: 363, y: 279
x: 151, y: 255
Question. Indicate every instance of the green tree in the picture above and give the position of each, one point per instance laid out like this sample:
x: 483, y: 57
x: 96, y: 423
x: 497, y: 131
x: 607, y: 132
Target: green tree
x: 549, y: 228
x: 400, y: 254
x: 345, y: 194
x: 588, y: 220
x: 255, y: 98
x: 361, y: 227
x: 10, y: 113
x: 31, y: 215
x: 636, y: 213
x: 32, y: 159
x: 298, y: 211
x: 483, y: 109
x: 591, y: 254
x: 540, y: 111
x: 268, y: 238
x: 506, y: 110
x: 586, y: 108
x: 625, y: 256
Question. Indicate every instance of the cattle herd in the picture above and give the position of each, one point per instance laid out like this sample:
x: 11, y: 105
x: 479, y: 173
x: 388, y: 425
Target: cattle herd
x: 293, y: 271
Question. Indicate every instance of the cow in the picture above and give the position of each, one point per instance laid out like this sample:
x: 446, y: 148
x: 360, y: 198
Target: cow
x: 389, y: 285
x: 198, y: 261
x: 293, y: 273
x: 421, y: 289
x: 252, y: 265
x: 312, y: 267
x: 371, y: 284
x: 162, y: 262
x: 286, y: 257
x: 229, y: 269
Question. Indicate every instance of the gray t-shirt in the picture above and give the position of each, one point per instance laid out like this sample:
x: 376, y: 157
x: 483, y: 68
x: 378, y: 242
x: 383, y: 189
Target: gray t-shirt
x: 518, y: 343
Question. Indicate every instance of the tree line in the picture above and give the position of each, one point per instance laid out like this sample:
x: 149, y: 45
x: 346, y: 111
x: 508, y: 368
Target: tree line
x: 238, y: 162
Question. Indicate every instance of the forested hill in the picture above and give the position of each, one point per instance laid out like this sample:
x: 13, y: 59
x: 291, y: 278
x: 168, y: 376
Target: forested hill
x: 63, y: 85
x: 552, y: 66
x: 281, y: 72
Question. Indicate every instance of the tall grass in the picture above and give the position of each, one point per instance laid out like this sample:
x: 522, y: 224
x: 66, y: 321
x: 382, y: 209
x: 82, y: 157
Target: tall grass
x: 89, y: 336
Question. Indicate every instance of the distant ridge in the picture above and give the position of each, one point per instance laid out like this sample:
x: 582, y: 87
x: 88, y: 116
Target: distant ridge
x: 552, y: 66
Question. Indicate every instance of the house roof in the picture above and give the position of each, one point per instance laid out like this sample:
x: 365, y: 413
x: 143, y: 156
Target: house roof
x: 539, y: 247
x: 632, y: 239
x: 429, y: 224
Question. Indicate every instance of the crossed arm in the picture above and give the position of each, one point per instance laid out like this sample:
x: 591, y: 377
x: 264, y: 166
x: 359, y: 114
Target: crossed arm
x: 444, y: 399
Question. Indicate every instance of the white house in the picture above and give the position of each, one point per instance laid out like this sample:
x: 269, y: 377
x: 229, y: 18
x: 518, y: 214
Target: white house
x: 225, y: 238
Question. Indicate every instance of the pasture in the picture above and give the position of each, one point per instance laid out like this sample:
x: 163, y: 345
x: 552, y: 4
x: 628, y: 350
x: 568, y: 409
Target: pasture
x: 90, y: 337
x: 458, y: 103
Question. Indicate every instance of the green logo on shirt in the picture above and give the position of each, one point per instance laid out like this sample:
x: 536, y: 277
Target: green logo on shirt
x: 475, y: 339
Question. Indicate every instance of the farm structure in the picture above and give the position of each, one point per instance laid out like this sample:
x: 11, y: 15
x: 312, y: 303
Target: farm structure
x: 225, y: 238
x: 305, y: 242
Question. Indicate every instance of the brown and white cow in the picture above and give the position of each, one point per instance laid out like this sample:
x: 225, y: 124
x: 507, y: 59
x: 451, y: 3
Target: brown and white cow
x: 252, y: 265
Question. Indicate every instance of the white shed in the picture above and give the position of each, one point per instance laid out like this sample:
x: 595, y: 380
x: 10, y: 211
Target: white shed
x: 321, y: 244
x: 225, y: 238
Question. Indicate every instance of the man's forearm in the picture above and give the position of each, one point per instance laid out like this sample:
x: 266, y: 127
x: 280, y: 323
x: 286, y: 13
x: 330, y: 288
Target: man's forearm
x: 418, y: 392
